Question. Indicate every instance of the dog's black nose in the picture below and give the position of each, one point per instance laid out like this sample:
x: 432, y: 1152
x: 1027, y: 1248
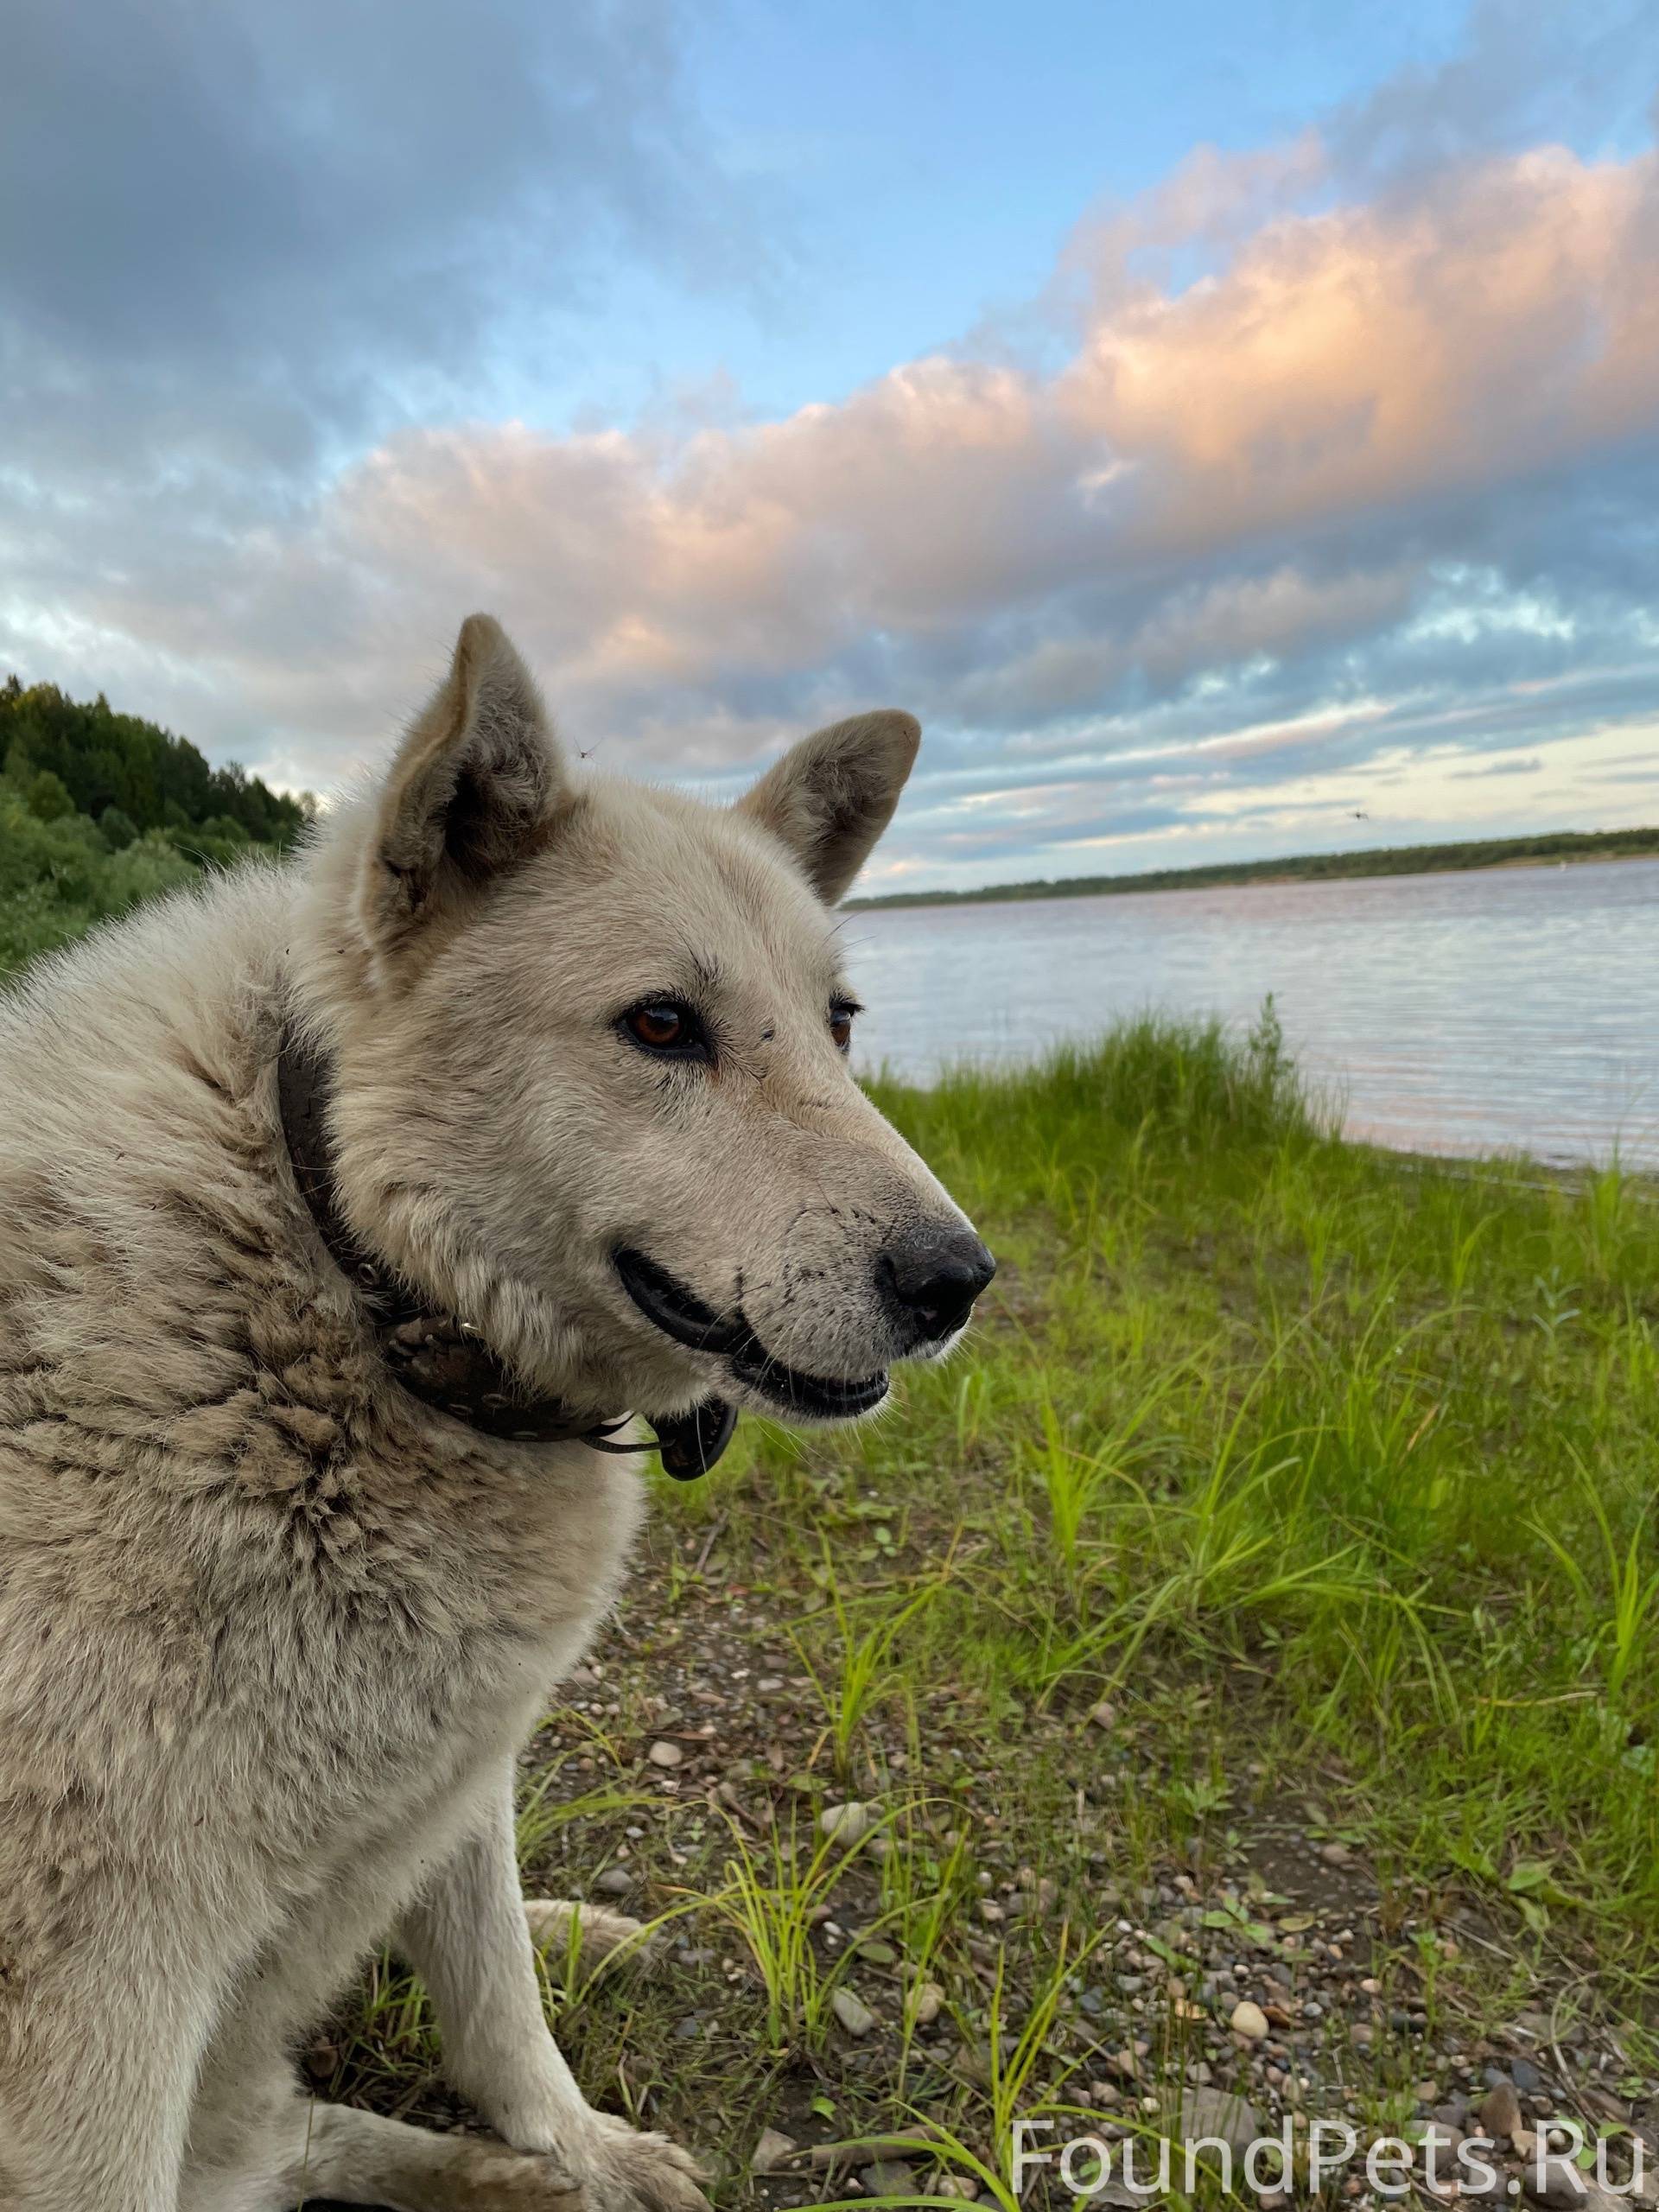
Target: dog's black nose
x: 935, y: 1277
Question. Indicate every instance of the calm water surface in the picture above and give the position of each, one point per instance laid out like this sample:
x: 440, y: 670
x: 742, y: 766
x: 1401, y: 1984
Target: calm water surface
x: 1516, y: 1008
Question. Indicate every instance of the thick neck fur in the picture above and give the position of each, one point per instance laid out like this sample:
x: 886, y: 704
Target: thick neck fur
x: 370, y: 1017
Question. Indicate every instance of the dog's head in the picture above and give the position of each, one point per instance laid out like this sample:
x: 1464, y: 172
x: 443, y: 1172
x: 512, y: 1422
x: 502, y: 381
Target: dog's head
x: 590, y: 1046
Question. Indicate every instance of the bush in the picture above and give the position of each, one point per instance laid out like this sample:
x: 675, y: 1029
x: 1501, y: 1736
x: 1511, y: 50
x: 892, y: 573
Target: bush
x: 58, y: 876
x: 48, y: 796
x: 148, y: 866
x: 99, y: 810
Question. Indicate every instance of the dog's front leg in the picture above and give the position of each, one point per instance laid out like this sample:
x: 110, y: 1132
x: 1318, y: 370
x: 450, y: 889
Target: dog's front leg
x: 469, y: 1942
x: 97, y: 2067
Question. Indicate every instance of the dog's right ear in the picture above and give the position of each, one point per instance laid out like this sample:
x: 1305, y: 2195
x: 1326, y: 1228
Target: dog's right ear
x: 476, y: 785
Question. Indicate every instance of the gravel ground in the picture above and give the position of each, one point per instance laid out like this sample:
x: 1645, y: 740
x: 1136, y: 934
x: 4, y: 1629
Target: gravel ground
x: 1256, y: 1970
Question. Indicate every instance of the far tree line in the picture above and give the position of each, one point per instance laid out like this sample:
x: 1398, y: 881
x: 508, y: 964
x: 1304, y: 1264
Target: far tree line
x: 64, y: 756
x: 100, y: 811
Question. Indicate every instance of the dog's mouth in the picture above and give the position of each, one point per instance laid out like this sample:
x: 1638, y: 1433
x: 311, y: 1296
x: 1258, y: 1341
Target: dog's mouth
x: 679, y: 1313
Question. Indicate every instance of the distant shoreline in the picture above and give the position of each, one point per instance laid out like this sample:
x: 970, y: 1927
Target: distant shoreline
x: 1548, y: 849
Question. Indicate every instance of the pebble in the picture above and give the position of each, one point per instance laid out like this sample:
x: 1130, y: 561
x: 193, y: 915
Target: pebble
x: 1560, y: 2189
x: 974, y: 2066
x: 847, y: 1823
x: 889, y: 2177
x: 1216, y: 2113
x: 852, y: 2011
x: 1269, y: 1987
x: 771, y: 2150
x: 1500, y: 2110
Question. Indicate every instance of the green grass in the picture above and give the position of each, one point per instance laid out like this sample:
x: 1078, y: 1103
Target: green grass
x: 1320, y: 1478
x: 1283, y: 1484
x: 1382, y: 1432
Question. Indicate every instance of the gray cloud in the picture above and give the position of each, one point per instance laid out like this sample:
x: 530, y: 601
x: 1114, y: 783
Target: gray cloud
x: 1379, y: 491
x: 237, y: 240
x: 1523, y: 75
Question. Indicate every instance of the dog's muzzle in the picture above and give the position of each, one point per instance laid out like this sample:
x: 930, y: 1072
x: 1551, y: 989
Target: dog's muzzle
x: 679, y: 1313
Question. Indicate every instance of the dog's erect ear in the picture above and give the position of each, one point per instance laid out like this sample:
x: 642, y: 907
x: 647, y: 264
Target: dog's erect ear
x: 831, y: 796
x: 475, y: 787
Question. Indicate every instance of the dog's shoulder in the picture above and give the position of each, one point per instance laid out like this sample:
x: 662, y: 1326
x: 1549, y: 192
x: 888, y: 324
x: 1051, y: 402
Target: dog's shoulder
x: 135, y: 1132
x: 211, y: 1491
x: 184, y: 1378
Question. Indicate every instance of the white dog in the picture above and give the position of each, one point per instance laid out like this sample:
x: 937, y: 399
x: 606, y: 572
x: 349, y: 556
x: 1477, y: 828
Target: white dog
x: 345, y: 1210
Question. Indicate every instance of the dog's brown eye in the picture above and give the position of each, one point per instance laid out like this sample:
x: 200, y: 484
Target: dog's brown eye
x: 659, y: 1027
x: 668, y: 1027
x: 840, y: 1023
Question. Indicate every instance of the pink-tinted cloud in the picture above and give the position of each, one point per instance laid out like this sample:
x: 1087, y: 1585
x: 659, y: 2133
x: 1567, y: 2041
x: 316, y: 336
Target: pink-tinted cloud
x: 1355, y: 358
x: 1285, y: 456
x: 1341, y: 369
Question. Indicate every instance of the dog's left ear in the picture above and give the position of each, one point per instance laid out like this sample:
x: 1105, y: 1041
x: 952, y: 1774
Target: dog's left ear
x: 831, y: 796
x: 475, y: 787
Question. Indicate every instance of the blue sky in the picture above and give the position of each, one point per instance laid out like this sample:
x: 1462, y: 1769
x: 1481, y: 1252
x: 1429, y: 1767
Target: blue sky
x: 1220, y: 424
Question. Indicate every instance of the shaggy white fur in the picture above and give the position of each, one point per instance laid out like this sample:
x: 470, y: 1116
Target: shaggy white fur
x: 271, y: 1631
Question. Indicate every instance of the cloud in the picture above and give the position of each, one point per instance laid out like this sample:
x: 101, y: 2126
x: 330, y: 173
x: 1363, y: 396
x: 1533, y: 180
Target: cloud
x: 1522, y: 75
x: 1287, y: 457
x: 239, y: 246
x: 1531, y: 766
x: 252, y: 229
x: 1335, y: 456
x: 1350, y: 362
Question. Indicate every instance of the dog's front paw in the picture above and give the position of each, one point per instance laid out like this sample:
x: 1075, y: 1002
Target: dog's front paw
x: 601, y: 1934
x: 628, y: 2171
x: 532, y: 2181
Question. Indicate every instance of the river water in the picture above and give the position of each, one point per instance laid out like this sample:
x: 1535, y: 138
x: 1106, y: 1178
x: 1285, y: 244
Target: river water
x: 1508, y: 1009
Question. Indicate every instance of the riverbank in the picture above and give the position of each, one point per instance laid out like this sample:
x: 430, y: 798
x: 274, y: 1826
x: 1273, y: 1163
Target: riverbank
x: 1242, y: 1658
x: 1551, y: 849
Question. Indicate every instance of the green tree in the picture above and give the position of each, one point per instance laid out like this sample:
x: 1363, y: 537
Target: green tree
x: 48, y: 796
